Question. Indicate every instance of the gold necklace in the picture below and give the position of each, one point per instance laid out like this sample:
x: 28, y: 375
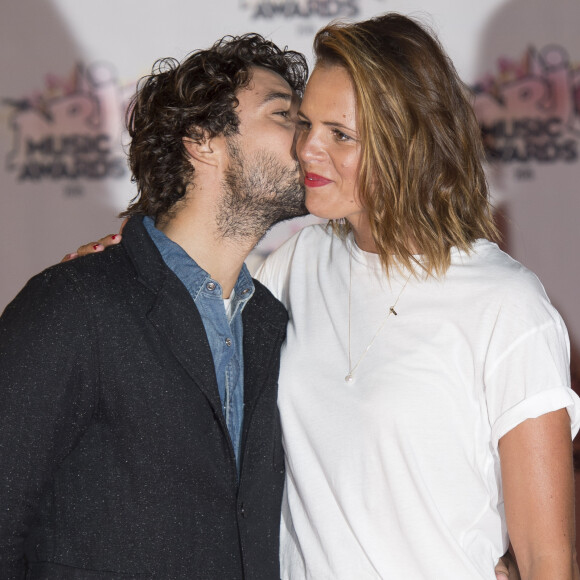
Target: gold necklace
x: 349, y: 378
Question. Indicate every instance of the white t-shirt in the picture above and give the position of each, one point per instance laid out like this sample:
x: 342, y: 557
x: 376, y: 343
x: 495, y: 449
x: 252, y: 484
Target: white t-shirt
x: 397, y: 473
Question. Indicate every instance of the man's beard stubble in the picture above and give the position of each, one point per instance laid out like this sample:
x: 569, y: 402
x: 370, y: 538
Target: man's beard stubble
x: 258, y: 192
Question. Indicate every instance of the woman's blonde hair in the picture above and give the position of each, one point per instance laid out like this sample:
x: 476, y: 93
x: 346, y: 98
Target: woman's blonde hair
x: 421, y: 178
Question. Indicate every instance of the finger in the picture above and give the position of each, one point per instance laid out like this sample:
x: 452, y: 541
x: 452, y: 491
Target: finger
x: 501, y: 569
x: 70, y: 256
x: 100, y: 245
x: 91, y: 248
x: 109, y: 240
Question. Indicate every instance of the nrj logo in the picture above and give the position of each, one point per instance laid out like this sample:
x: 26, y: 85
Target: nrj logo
x: 301, y: 8
x: 530, y: 111
x: 72, y: 129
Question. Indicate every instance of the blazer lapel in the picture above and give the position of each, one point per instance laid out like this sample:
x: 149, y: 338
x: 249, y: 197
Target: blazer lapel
x: 263, y: 337
x: 180, y: 324
x: 173, y: 312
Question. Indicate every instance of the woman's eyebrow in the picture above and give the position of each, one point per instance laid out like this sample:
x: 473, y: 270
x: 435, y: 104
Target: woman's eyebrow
x: 328, y: 123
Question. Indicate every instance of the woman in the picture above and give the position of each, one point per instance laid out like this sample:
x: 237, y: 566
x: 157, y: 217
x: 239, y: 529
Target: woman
x: 425, y: 375
x: 425, y: 378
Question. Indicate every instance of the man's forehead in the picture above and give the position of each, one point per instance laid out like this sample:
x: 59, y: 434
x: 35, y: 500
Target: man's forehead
x: 264, y: 82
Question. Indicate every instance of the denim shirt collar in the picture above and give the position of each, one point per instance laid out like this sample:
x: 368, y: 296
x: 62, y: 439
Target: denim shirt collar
x: 195, y: 278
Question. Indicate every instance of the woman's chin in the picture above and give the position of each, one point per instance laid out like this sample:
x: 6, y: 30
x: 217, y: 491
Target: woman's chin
x: 317, y: 209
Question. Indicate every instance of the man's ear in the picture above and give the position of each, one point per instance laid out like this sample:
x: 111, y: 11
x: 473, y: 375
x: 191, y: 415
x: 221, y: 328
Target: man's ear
x: 205, y: 150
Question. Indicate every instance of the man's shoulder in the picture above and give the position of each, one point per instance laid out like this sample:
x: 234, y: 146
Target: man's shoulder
x: 105, y: 265
x: 69, y: 285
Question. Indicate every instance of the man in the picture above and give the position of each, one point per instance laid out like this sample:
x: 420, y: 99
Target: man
x: 139, y: 435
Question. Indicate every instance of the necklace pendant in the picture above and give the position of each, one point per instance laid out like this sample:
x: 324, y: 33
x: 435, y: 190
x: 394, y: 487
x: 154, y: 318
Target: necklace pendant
x: 349, y: 378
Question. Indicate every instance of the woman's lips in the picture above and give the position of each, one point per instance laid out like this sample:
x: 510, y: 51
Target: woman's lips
x: 314, y: 180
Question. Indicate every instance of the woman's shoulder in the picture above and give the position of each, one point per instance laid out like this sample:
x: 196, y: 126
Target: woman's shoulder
x: 500, y: 281
x: 293, y: 255
x: 313, y: 233
x: 310, y: 240
x: 494, y: 268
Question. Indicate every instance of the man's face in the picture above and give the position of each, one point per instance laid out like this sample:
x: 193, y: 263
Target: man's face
x: 262, y: 184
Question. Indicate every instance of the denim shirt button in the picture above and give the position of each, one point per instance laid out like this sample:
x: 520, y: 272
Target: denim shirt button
x: 228, y: 342
x: 210, y: 286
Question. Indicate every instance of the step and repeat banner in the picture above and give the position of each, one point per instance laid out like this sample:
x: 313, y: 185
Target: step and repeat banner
x: 68, y: 69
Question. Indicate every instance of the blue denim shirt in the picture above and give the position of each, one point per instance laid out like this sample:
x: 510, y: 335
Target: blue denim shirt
x: 224, y: 334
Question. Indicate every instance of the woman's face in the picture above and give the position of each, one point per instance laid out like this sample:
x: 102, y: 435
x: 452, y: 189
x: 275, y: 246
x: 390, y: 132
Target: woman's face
x: 328, y: 145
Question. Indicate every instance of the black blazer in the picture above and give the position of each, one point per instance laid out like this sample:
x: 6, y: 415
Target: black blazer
x: 115, y: 458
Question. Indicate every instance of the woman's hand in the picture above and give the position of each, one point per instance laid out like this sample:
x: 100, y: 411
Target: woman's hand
x: 506, y: 568
x: 538, y: 489
x: 99, y: 246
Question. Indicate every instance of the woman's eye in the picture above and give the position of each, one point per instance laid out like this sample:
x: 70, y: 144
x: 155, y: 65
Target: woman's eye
x: 340, y: 136
x: 285, y: 114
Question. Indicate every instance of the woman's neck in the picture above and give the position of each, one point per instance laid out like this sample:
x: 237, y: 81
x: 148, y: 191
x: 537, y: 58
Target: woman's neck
x: 361, y: 230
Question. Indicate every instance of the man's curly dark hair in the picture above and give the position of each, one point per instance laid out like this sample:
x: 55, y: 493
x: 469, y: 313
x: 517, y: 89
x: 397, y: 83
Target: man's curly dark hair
x: 194, y: 98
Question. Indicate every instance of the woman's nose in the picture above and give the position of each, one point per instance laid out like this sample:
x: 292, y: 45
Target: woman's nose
x: 309, y: 146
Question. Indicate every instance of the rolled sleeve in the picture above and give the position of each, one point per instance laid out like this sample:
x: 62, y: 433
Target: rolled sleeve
x: 536, y: 406
x: 527, y: 371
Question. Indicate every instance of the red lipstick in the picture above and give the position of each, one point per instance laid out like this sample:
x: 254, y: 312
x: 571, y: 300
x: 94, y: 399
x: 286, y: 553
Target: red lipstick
x: 314, y: 180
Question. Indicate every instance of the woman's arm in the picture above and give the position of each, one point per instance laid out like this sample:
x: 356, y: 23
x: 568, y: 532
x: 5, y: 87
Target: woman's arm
x: 538, y: 488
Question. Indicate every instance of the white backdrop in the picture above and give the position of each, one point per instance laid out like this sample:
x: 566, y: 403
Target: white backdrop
x: 67, y: 68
